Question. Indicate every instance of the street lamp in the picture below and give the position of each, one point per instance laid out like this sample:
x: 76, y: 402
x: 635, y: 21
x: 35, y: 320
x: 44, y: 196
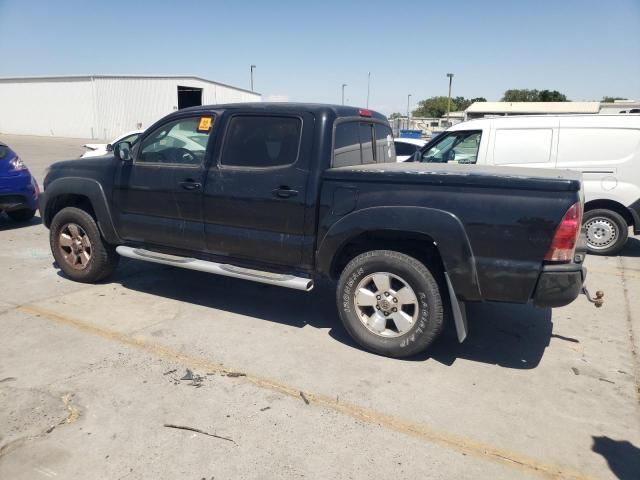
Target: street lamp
x: 343, y: 85
x: 408, y: 112
x: 368, y: 87
x: 450, y: 75
x: 253, y: 67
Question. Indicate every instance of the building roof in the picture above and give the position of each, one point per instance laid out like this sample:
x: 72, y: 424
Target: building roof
x: 534, y: 107
x: 88, y: 77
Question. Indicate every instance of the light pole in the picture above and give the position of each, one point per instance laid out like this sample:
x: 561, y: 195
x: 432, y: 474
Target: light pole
x: 343, y: 85
x: 450, y: 75
x: 408, y: 112
x: 253, y: 67
x: 368, y: 87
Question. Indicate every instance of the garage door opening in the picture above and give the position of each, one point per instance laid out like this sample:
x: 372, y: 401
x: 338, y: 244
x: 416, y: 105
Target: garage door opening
x: 189, y: 97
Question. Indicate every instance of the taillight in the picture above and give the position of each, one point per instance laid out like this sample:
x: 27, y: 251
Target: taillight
x: 363, y: 112
x: 563, y: 245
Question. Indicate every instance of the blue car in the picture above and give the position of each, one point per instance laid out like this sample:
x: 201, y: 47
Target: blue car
x: 19, y: 191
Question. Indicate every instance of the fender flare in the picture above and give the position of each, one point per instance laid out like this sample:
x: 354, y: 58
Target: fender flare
x: 85, y: 187
x: 443, y: 227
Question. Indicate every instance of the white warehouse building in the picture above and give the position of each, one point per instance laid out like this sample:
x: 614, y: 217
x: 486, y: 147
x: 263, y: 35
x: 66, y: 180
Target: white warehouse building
x: 103, y: 106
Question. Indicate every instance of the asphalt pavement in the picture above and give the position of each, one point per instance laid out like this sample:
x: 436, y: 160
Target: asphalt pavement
x: 166, y: 373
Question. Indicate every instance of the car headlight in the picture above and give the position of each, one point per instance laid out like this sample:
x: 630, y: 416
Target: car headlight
x: 16, y: 164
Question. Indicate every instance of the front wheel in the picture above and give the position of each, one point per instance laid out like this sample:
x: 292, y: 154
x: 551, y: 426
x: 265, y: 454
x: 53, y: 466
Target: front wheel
x: 390, y: 303
x: 78, y: 247
x: 606, y: 231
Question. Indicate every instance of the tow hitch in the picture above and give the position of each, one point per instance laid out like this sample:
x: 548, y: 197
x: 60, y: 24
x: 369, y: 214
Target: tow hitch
x: 599, y: 298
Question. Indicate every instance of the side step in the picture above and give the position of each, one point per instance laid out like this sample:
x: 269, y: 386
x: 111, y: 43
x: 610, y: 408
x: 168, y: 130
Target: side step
x: 282, y: 280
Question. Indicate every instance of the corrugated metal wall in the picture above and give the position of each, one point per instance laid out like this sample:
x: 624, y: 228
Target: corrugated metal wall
x: 98, y: 107
x: 60, y: 108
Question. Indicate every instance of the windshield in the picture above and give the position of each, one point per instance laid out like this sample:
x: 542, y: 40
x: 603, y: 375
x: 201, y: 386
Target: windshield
x: 457, y: 147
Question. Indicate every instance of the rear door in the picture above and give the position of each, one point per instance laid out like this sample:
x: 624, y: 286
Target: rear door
x: 254, y: 200
x: 158, y: 196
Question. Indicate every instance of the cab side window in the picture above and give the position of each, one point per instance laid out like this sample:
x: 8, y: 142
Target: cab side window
x: 454, y: 147
x: 180, y: 142
x: 261, y: 141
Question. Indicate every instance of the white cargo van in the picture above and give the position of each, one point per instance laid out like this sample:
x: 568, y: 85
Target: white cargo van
x: 605, y: 148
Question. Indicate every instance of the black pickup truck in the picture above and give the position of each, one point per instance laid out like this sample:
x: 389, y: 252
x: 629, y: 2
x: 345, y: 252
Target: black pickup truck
x: 287, y: 193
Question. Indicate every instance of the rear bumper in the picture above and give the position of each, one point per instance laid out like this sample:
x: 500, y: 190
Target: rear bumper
x: 18, y: 193
x: 559, y: 285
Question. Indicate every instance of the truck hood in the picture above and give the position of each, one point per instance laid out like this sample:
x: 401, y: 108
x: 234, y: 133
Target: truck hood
x: 461, y: 175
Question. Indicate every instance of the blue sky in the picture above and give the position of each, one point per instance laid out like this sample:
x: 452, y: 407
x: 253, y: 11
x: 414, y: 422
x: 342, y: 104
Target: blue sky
x: 305, y: 50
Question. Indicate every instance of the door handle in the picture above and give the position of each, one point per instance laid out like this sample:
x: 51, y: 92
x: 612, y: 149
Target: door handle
x: 190, y: 185
x: 284, y: 192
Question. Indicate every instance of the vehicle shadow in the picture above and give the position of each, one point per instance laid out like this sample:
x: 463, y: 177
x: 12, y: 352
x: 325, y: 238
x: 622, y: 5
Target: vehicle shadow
x: 7, y: 224
x: 512, y: 336
x: 622, y: 456
x: 631, y: 248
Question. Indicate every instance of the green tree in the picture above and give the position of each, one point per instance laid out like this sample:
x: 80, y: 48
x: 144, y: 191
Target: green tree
x: 433, y: 107
x: 436, y: 107
x: 395, y: 115
x: 527, y: 95
x: 611, y: 99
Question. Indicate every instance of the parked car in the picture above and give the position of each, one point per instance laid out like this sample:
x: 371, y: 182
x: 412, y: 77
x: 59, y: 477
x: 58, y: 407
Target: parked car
x: 99, y: 149
x: 18, y: 189
x: 406, y: 147
x: 604, y: 148
x: 284, y: 194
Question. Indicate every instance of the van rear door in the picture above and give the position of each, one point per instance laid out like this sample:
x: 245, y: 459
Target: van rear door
x: 606, y: 149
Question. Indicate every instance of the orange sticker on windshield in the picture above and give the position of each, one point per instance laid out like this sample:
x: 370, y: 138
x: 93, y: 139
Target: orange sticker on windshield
x: 205, y: 124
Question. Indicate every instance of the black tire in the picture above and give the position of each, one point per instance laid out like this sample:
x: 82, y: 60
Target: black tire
x: 22, y: 215
x: 610, y: 221
x: 429, y: 319
x: 103, y: 257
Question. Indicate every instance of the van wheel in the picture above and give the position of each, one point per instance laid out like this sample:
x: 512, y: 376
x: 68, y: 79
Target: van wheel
x: 78, y: 248
x: 390, y: 303
x: 606, y: 231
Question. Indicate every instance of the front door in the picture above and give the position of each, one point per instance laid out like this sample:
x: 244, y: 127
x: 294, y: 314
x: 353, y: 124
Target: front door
x: 158, y: 196
x: 254, y: 202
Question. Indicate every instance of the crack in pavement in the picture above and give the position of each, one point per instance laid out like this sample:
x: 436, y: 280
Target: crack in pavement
x: 72, y: 416
x: 370, y: 416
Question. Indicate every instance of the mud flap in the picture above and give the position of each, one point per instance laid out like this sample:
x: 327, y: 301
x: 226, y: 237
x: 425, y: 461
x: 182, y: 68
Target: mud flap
x: 458, y: 310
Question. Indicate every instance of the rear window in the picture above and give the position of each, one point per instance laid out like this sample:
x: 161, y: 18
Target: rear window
x: 3, y: 151
x: 354, y: 141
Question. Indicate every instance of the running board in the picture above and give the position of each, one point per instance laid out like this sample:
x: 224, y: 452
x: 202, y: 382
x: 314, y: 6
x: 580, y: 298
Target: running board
x: 282, y: 280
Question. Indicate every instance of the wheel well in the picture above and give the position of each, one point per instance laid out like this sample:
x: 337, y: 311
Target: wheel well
x: 610, y: 205
x: 420, y: 246
x: 68, y: 200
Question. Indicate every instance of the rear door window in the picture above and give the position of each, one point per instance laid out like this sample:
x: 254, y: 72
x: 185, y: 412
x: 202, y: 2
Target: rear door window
x: 261, y: 141
x: 405, y: 149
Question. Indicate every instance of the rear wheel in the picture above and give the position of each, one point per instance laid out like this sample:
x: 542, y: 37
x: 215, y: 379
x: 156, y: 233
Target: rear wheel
x: 606, y: 231
x: 78, y: 247
x: 390, y: 303
x: 21, y: 215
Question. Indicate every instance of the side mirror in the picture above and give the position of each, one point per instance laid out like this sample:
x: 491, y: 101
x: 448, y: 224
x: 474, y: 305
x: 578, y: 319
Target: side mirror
x: 122, y: 152
x: 109, y: 147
